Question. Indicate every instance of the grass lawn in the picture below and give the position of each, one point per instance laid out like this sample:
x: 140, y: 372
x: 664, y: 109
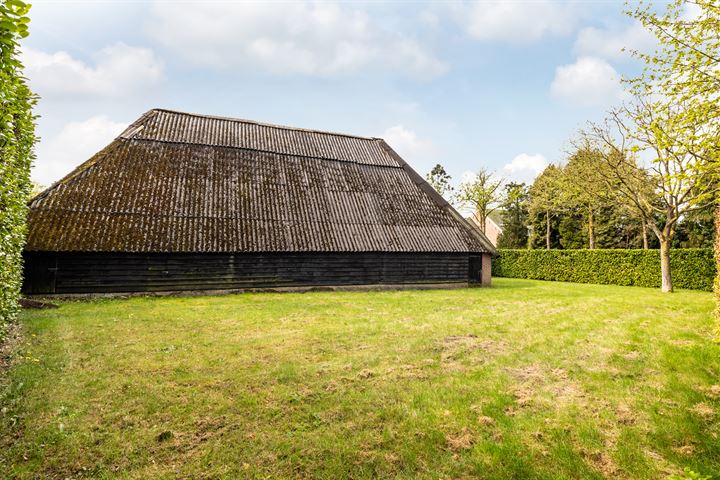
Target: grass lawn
x: 525, y: 380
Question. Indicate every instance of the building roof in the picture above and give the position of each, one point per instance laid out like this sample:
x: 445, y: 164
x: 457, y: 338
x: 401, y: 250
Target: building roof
x: 179, y: 182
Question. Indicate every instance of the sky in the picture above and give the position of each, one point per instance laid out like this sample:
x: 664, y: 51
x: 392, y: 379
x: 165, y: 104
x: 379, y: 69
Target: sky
x: 503, y: 85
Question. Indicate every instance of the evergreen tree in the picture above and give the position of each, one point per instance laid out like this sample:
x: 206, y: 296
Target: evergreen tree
x: 514, y: 216
x: 546, y: 202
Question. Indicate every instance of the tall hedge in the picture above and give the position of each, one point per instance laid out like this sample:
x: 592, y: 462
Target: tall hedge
x: 717, y: 276
x: 17, y: 138
x: 692, y: 268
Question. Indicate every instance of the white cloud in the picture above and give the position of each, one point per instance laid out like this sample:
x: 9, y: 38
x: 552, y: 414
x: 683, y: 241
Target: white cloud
x: 518, y: 22
x: 407, y: 143
x: 525, y: 167
x: 118, y: 69
x: 76, y: 142
x: 609, y: 43
x: 318, y: 39
x: 590, y: 81
x: 691, y: 11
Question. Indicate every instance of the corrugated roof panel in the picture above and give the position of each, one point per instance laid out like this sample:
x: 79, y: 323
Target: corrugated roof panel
x: 166, y: 188
x: 169, y: 126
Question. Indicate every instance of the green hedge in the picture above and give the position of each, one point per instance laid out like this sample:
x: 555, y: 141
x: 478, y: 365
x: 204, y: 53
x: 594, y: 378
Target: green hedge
x: 17, y: 137
x: 692, y: 268
x: 717, y: 277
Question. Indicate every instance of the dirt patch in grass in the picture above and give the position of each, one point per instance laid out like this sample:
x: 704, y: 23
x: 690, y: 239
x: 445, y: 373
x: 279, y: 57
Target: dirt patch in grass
x: 625, y: 415
x: 632, y: 356
x: 455, y: 346
x: 37, y: 304
x: 531, y: 374
x: 463, y: 440
x: 713, y: 392
x: 203, y: 430
x: 534, y: 382
x: 685, y: 450
x: 486, y: 421
x: 408, y: 372
x: 703, y: 410
x: 601, y: 461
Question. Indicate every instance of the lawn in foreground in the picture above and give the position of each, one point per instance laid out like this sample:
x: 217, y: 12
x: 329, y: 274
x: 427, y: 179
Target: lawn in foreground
x: 528, y: 379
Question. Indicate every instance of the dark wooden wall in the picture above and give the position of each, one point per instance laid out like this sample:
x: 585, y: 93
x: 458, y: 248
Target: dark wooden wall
x: 50, y: 272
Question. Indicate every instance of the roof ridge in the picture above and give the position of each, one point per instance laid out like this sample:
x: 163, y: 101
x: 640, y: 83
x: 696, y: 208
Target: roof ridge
x: 263, y: 124
x: 76, y: 172
x: 438, y: 199
x: 259, y: 150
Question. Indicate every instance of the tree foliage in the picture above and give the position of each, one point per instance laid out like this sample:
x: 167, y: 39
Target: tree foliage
x: 439, y: 179
x: 514, y: 216
x: 585, y: 188
x: 661, y: 150
x: 683, y: 71
x: 483, y: 194
x: 677, y: 179
x: 545, y: 201
x: 17, y: 138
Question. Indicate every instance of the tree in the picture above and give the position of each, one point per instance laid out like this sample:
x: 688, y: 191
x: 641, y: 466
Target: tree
x: 483, y: 194
x: 677, y: 180
x: 439, y: 179
x: 674, y: 120
x: 585, y: 187
x: 514, y: 216
x: 695, y: 230
x: 684, y: 70
x: 17, y: 138
x: 545, y: 198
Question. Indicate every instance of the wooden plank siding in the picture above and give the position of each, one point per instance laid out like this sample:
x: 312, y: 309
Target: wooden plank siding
x: 117, y: 272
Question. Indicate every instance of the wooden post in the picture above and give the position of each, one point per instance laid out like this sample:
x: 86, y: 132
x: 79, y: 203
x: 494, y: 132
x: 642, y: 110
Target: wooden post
x: 486, y: 274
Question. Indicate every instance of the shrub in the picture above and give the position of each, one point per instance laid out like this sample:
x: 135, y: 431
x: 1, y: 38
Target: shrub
x: 717, y: 276
x: 692, y: 268
x: 17, y: 138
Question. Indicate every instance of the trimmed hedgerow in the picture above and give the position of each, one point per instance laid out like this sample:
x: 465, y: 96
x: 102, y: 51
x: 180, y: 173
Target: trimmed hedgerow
x: 17, y: 138
x: 692, y: 268
x: 717, y: 276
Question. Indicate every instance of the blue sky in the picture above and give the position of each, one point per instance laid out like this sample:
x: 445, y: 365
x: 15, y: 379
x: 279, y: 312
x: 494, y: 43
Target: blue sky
x: 496, y: 84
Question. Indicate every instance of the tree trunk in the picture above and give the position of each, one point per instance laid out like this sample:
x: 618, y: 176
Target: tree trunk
x: 665, y: 265
x: 547, y: 229
x: 480, y: 220
x: 591, y: 229
x: 645, y: 235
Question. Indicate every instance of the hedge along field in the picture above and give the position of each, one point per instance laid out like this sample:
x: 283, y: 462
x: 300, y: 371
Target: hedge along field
x: 692, y: 268
x: 717, y: 263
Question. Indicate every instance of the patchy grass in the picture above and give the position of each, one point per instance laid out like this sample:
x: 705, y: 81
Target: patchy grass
x: 526, y: 380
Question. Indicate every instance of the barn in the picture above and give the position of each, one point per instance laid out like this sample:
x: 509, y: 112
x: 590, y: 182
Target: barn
x: 184, y: 202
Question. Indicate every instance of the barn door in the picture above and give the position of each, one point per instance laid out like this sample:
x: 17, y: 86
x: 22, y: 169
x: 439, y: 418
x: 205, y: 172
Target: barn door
x: 474, y: 268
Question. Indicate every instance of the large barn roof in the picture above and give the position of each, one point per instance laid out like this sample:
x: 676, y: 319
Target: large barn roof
x: 178, y: 182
